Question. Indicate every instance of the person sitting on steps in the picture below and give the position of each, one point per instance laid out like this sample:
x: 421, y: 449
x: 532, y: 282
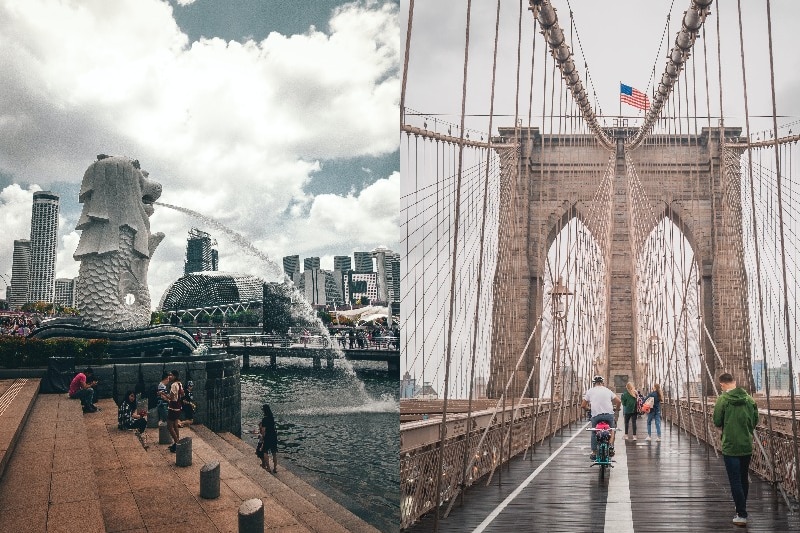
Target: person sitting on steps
x: 128, y: 417
x: 81, y: 387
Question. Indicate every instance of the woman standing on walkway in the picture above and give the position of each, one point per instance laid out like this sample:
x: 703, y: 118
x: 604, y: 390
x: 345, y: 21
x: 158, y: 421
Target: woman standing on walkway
x: 267, y: 440
x: 655, y: 412
x: 629, y: 398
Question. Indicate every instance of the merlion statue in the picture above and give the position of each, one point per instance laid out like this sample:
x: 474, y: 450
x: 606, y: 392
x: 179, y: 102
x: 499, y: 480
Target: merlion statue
x: 116, y: 244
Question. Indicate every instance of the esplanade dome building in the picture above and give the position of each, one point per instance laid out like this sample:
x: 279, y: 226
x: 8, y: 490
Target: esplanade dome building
x: 205, y: 292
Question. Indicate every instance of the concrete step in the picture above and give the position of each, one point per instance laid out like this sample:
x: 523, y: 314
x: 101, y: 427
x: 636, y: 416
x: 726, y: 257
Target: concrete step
x: 316, y: 498
x: 17, y: 397
x: 49, y: 484
x: 143, y: 489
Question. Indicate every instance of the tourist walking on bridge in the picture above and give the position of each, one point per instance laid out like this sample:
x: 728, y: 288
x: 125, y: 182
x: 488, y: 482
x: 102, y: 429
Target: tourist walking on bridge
x: 629, y: 400
x: 737, y: 414
x: 655, y: 411
x: 603, y: 402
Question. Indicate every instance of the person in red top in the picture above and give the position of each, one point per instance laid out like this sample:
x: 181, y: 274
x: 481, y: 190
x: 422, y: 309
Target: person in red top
x: 81, y: 388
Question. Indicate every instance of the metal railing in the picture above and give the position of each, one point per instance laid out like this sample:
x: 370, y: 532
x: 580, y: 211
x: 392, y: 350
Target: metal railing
x: 778, y: 443
x: 419, y: 450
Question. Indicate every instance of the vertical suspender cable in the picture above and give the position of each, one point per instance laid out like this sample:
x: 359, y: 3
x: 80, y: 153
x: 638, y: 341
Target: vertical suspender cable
x: 456, y: 215
x: 783, y: 247
x: 480, y: 258
x: 756, y: 240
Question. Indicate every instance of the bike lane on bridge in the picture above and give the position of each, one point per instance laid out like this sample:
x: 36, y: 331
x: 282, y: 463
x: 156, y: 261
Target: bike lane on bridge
x: 677, y: 484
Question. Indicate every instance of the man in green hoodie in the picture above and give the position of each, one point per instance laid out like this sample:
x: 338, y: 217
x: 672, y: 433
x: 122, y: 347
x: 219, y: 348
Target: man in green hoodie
x: 736, y: 413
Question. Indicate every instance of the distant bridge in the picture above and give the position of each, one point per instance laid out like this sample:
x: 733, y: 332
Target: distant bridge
x: 317, y: 355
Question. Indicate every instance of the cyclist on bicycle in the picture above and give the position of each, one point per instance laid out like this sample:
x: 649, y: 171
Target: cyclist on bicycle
x: 603, y: 402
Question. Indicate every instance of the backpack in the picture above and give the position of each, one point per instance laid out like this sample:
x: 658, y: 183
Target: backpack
x: 648, y: 404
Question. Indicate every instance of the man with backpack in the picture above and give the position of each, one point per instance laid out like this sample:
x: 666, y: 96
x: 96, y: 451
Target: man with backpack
x: 603, y: 402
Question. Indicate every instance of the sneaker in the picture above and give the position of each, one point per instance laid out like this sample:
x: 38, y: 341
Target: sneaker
x: 647, y: 437
x: 739, y: 521
x: 658, y: 439
x: 611, y: 451
x: 624, y: 437
x: 593, y: 457
x: 633, y: 438
x: 90, y: 409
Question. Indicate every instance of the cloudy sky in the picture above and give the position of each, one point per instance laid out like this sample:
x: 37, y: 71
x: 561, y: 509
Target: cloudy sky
x: 619, y: 40
x: 278, y: 119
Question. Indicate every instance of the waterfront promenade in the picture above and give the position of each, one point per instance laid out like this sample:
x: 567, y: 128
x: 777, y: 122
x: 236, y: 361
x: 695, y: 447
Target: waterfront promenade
x: 65, y: 470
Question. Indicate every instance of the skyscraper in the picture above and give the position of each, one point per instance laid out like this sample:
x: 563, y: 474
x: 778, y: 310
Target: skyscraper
x: 342, y: 263
x: 20, y: 268
x: 311, y: 263
x: 200, y: 254
x: 362, y: 262
x: 291, y: 265
x: 65, y: 292
x: 44, y: 244
x: 388, y: 266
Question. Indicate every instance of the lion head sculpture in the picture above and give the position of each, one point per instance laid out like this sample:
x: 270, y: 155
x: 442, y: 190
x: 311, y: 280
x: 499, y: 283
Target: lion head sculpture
x: 116, y: 244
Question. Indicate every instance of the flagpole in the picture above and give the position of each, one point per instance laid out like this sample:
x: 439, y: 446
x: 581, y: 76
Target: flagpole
x: 620, y: 102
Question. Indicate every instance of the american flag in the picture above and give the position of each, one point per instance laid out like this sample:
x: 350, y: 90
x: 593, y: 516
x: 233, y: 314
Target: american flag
x: 629, y: 95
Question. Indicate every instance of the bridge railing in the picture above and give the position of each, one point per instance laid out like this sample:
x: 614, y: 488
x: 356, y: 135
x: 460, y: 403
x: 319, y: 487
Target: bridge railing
x: 419, y: 450
x: 697, y: 419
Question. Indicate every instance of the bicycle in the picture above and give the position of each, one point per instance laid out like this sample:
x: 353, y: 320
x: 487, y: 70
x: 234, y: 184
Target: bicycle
x: 602, y: 455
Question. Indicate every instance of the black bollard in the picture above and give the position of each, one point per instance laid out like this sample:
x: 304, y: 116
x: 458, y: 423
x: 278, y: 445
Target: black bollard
x: 163, y: 434
x: 251, y: 516
x: 209, y: 480
x: 183, y: 452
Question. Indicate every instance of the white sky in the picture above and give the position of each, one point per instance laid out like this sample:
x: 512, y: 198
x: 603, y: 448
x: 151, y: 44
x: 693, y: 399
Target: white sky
x: 235, y: 130
x: 620, y: 40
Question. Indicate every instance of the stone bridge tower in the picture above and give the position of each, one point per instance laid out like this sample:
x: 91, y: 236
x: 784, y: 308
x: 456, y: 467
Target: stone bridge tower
x: 552, y: 183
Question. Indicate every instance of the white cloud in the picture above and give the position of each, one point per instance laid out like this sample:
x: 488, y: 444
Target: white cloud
x: 231, y: 129
x: 370, y: 217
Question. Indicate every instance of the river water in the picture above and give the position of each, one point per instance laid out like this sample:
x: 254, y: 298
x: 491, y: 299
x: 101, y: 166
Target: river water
x: 341, y: 439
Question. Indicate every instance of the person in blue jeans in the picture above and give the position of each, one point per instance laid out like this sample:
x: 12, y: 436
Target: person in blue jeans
x: 603, y: 402
x: 655, y: 412
x: 737, y: 414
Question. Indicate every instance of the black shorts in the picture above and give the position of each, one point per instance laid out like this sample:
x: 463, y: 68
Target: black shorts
x: 173, y: 415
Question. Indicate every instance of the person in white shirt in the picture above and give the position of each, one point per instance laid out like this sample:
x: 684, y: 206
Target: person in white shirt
x: 603, y: 402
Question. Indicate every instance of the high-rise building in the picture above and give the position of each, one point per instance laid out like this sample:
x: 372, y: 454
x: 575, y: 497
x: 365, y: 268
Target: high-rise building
x: 65, y: 291
x: 362, y: 262
x: 388, y: 266
x: 319, y: 287
x: 44, y: 245
x: 20, y: 268
x: 201, y: 256
x: 342, y: 263
x: 291, y: 265
x: 310, y: 263
x: 379, y: 254
x: 395, y: 279
x: 360, y: 285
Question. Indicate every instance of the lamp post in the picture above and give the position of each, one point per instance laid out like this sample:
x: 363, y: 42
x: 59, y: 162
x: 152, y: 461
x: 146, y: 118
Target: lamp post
x: 651, y: 362
x: 558, y: 299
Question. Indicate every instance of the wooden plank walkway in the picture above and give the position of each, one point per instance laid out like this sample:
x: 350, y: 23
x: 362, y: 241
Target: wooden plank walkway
x: 677, y: 484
